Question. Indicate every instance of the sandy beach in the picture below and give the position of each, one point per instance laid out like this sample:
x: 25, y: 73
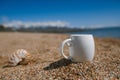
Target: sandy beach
x: 48, y: 64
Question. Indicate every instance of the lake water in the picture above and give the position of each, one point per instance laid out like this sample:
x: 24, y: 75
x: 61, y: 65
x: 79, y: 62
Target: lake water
x: 103, y: 32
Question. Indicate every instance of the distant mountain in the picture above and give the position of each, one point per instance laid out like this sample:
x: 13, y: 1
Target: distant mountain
x: 50, y: 29
x: 53, y: 29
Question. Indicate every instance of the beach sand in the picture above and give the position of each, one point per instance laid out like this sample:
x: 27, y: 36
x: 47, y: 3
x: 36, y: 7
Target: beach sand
x: 48, y: 64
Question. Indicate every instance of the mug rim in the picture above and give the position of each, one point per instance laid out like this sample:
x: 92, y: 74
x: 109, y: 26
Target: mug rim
x: 81, y: 35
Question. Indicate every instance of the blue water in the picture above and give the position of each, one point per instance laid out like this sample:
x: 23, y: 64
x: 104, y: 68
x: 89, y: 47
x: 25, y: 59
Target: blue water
x: 102, y: 32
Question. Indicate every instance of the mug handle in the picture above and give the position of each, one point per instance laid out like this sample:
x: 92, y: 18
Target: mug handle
x: 62, y: 47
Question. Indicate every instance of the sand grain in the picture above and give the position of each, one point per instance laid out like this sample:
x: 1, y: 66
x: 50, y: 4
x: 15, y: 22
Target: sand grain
x: 48, y: 63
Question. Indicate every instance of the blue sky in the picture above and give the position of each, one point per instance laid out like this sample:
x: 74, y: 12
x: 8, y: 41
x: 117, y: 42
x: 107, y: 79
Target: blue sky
x: 78, y: 13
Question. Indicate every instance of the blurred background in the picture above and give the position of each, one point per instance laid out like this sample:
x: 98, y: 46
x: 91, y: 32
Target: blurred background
x: 98, y: 17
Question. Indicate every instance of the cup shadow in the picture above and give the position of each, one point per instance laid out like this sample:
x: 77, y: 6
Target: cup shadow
x: 60, y: 63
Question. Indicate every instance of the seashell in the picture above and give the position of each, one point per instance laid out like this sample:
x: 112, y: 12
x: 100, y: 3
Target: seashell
x: 20, y: 56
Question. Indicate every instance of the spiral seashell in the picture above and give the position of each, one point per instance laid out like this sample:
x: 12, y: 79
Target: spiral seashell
x: 17, y: 57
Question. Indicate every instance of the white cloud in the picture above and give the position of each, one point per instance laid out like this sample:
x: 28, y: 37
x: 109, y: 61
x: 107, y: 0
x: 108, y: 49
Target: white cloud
x: 18, y: 24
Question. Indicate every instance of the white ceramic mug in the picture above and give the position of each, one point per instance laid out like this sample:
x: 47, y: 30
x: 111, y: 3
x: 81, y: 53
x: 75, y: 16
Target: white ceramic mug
x: 81, y: 47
